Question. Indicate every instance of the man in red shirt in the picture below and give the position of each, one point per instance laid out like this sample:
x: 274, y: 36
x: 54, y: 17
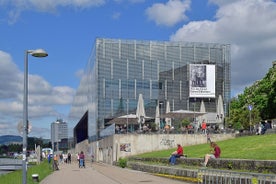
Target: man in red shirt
x: 176, y: 154
x: 203, y: 126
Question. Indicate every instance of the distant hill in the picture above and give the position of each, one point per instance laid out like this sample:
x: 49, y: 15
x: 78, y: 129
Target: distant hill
x: 8, y: 139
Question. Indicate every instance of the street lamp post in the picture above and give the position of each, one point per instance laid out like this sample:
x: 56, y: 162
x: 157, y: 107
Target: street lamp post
x: 35, y: 53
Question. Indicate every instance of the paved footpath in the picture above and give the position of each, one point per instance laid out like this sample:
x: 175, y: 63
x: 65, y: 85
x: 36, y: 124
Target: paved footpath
x: 99, y: 173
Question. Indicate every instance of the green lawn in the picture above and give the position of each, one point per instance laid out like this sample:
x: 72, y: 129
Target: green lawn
x: 257, y: 147
x: 43, y: 169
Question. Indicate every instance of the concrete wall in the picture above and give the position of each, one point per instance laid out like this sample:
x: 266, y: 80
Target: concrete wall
x: 111, y: 148
x: 257, y: 166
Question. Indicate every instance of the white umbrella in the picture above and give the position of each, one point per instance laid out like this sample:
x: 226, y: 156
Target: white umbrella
x: 157, y: 118
x: 140, y: 111
x: 168, y: 120
x: 220, y: 111
x: 181, y: 114
x: 202, y: 109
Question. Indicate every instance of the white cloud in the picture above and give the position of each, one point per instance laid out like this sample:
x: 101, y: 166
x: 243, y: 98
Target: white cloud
x: 9, y: 77
x: 63, y: 95
x: 222, y: 2
x: 170, y: 13
x: 79, y: 74
x: 8, y: 128
x: 43, y: 100
x: 116, y: 15
x: 137, y: 1
x: 131, y: 1
x: 249, y: 26
x: 16, y: 7
x: 48, y: 4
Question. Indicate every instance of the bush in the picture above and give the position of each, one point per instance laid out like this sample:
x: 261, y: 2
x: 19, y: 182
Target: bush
x: 122, y: 162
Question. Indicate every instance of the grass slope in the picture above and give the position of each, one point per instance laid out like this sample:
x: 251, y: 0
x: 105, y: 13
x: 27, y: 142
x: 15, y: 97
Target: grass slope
x: 43, y: 169
x: 257, y: 147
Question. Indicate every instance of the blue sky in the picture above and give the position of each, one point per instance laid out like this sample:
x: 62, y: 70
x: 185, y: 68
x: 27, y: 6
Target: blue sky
x: 67, y: 29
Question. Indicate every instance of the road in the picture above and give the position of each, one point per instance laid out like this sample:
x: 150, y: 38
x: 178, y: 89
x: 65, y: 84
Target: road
x: 99, y: 173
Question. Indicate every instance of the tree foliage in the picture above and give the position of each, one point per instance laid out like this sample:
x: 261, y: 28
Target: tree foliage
x: 17, y: 148
x: 261, y: 96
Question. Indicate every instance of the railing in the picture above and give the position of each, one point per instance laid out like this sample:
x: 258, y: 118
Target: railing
x: 7, y: 164
x: 4, y: 161
x: 213, y: 176
x: 10, y: 167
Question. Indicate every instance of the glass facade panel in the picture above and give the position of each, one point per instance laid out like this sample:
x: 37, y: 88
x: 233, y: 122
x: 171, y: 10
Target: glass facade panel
x: 119, y: 70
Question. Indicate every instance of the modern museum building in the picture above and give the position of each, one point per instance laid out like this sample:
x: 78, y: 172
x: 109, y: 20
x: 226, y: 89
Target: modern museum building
x: 185, y: 74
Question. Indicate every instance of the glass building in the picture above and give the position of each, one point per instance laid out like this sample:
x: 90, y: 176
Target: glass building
x: 182, y: 73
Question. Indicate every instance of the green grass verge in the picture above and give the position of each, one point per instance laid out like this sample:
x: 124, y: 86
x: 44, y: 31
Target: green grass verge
x: 43, y: 170
x: 257, y: 147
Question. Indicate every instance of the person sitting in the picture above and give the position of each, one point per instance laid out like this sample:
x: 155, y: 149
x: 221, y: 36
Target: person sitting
x: 176, y: 154
x: 167, y: 128
x: 214, y: 155
x: 145, y: 128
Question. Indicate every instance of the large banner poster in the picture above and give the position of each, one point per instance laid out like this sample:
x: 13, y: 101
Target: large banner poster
x: 202, y: 81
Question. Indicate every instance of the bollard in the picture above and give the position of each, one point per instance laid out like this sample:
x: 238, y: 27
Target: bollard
x: 35, y: 177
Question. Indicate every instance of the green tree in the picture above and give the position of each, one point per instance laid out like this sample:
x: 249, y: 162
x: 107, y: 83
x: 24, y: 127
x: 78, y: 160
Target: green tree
x: 261, y: 96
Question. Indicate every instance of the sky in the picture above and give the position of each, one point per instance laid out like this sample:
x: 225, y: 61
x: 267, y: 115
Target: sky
x: 67, y: 30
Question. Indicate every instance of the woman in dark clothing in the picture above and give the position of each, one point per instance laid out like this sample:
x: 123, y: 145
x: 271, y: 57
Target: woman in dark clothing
x: 81, y: 157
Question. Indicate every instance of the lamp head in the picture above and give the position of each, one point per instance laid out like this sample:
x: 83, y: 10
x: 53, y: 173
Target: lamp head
x: 38, y: 53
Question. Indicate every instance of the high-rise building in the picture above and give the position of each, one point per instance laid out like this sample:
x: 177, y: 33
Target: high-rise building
x: 183, y: 73
x: 59, y: 134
